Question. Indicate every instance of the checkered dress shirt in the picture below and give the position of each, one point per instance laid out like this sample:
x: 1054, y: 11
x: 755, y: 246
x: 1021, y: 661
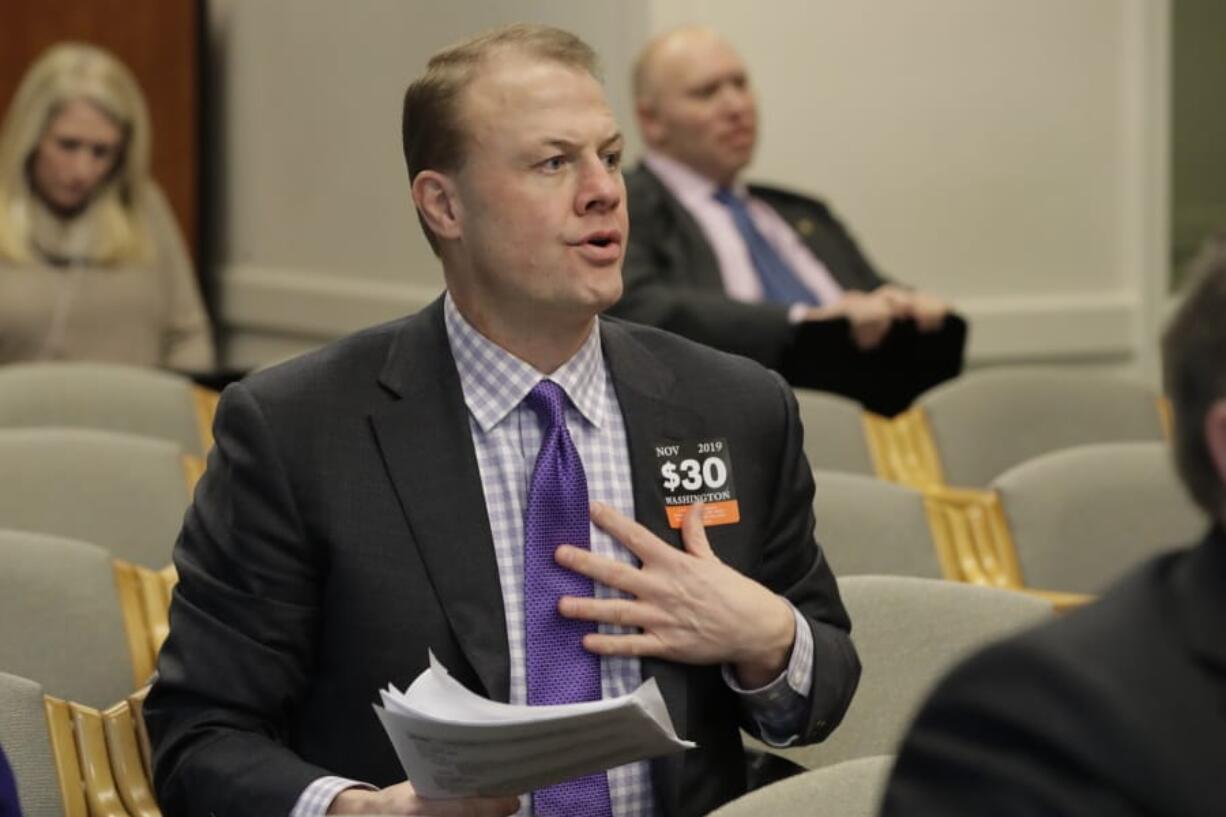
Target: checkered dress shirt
x: 507, y: 437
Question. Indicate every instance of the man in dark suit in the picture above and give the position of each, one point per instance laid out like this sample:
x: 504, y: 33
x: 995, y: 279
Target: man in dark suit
x: 1119, y: 708
x: 706, y: 252
x: 382, y: 497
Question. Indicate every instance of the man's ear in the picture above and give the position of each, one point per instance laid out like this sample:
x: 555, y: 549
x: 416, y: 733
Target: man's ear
x: 434, y: 194
x: 1215, y: 436
x: 649, y: 122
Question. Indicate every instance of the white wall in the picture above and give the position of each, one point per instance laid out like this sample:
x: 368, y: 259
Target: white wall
x: 318, y: 233
x: 1005, y: 154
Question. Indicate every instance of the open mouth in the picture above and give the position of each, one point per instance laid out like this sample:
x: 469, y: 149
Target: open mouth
x: 602, y: 239
x: 601, y: 247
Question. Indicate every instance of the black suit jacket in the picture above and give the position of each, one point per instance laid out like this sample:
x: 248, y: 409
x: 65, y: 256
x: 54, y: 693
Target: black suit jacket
x: 1118, y: 709
x: 672, y: 277
x: 341, y: 530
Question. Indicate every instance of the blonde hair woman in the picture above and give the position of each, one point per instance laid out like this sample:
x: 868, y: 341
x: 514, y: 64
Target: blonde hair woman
x: 92, y: 266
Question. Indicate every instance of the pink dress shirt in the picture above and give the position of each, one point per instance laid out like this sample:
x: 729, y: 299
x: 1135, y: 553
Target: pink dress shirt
x: 697, y: 194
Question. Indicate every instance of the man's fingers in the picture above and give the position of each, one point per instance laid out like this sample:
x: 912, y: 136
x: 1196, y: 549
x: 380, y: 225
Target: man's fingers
x: 470, y: 807
x: 868, y: 336
x: 930, y: 312
x: 609, y: 572
x: 694, y: 533
x: 402, y: 799
x: 619, y: 612
x: 643, y: 644
x: 637, y: 539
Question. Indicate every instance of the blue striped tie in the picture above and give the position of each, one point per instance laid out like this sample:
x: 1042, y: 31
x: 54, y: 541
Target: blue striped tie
x: 779, y: 283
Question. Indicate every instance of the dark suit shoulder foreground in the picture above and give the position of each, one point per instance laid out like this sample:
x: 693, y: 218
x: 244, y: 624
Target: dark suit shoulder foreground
x: 673, y: 280
x: 340, y: 532
x: 1118, y: 709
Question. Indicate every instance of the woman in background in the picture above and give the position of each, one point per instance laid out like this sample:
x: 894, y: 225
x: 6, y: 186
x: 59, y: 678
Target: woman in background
x: 92, y: 266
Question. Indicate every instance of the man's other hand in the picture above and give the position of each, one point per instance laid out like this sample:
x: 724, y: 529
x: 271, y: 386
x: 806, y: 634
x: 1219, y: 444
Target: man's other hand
x: 928, y: 311
x: 690, y: 606
x: 402, y: 799
x: 872, y: 313
x: 869, y: 313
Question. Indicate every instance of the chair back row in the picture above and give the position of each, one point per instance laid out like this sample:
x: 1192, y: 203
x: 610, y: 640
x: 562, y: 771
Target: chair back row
x: 853, y: 788
x: 108, y: 397
x: 86, y: 626
x: 968, y: 431
x: 908, y: 633
x: 1071, y: 521
x: 72, y: 760
x: 124, y: 492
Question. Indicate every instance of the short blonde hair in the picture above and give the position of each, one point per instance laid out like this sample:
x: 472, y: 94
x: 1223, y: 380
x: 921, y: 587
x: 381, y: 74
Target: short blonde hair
x: 65, y: 73
x: 433, y: 136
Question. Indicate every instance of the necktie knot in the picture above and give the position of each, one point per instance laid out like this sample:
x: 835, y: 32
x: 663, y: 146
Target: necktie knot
x: 548, y: 400
x: 726, y: 197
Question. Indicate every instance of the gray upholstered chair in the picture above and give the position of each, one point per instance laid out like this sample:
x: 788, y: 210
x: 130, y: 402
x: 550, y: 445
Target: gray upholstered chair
x: 835, y: 436
x: 27, y: 744
x: 852, y: 788
x: 60, y: 618
x: 110, y: 397
x: 988, y: 421
x: 121, y: 491
x: 1079, y: 518
x: 908, y: 632
x: 867, y: 525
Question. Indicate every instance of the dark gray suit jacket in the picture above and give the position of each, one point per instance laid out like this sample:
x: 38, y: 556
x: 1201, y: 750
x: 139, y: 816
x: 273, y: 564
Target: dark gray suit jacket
x: 1118, y: 709
x: 672, y: 277
x: 341, y: 530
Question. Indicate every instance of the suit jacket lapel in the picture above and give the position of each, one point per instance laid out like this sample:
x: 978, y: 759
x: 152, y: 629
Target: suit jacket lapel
x: 651, y: 416
x: 427, y: 447
x: 688, y: 244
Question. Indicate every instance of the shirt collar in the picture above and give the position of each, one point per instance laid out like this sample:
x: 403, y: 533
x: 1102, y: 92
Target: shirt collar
x: 494, y: 381
x: 683, y: 181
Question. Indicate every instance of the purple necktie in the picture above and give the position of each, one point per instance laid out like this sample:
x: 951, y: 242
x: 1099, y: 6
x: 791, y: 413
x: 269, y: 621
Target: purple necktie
x: 560, y: 671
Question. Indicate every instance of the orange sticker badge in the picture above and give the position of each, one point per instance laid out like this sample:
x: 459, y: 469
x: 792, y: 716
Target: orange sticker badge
x: 698, y: 472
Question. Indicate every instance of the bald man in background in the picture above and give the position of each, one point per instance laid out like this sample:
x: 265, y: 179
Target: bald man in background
x: 694, y: 265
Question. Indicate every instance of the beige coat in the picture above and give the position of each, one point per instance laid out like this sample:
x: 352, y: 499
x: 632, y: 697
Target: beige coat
x: 142, y: 314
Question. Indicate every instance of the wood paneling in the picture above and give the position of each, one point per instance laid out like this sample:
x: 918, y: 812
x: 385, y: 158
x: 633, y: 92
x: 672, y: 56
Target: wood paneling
x: 159, y: 41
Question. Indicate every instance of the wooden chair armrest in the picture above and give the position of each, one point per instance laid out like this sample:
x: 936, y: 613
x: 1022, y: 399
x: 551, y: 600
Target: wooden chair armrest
x: 126, y: 765
x: 1062, y: 601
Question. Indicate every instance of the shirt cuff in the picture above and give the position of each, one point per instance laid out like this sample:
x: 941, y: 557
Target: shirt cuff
x: 797, y: 312
x: 316, y: 798
x: 781, y: 707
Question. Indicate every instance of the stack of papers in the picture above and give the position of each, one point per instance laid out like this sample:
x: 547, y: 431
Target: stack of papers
x: 454, y: 743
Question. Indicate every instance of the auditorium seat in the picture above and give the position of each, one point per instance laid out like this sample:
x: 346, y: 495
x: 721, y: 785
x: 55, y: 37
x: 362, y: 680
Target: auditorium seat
x: 836, y: 438
x: 122, y: 731
x: 72, y: 760
x: 970, y: 430
x: 853, y: 788
x: 908, y: 632
x: 61, y: 619
x: 27, y: 745
x: 110, y: 397
x: 1078, y: 519
x: 121, y: 491
x: 145, y: 596
x: 868, y: 525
